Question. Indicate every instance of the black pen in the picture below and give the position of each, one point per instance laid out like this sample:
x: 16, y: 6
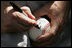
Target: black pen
x: 16, y: 8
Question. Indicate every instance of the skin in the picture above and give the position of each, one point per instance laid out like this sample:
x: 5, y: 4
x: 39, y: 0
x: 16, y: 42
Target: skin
x: 15, y: 21
x: 57, y: 11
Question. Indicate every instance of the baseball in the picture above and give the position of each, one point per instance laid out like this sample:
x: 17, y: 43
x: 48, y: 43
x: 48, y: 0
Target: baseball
x: 44, y: 26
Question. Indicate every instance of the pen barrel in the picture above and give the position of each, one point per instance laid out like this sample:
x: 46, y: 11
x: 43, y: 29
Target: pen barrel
x: 15, y: 7
x: 30, y: 16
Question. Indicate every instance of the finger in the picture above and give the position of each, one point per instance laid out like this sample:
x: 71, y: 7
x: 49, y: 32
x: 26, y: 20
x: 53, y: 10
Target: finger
x: 46, y: 42
x: 25, y: 8
x: 51, y: 32
x: 23, y: 17
x: 44, y: 37
x: 9, y: 9
x: 28, y: 12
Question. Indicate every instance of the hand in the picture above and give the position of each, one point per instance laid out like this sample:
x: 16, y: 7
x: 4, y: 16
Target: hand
x: 13, y: 21
x: 57, y: 12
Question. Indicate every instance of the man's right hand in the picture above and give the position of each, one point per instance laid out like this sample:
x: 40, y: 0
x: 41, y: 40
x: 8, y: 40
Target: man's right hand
x: 13, y: 21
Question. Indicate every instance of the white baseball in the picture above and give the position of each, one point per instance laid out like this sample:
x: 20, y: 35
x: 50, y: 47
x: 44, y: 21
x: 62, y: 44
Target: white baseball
x: 35, y: 32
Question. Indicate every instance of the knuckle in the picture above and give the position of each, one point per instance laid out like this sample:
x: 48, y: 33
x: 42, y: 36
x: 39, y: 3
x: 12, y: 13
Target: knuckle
x: 53, y: 33
x: 8, y: 9
x: 25, y: 7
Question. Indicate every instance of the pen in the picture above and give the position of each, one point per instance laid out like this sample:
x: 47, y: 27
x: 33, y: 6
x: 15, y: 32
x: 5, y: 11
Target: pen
x: 16, y: 8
